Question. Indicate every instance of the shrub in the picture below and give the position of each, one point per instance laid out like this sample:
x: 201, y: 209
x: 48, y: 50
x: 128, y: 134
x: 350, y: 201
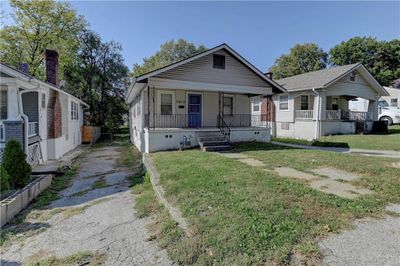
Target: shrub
x: 14, y: 162
x: 4, y: 179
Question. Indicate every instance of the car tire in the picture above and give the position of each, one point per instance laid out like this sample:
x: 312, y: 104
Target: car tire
x: 387, y: 119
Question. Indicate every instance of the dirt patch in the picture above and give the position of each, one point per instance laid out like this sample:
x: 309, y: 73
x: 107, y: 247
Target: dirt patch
x: 290, y: 172
x: 396, y: 164
x: 340, y: 189
x: 252, y: 162
x: 336, y: 174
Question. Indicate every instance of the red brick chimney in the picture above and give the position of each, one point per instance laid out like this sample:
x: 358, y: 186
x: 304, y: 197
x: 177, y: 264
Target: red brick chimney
x: 57, y: 117
x: 52, y: 67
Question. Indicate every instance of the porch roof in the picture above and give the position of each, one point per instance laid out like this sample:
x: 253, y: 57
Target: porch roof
x: 137, y: 83
x: 326, y: 77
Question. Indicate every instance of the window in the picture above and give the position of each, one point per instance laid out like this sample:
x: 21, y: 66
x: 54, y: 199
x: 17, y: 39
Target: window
x: 394, y: 102
x: 383, y: 104
x: 74, y: 111
x: 43, y: 100
x: 304, y: 102
x: 284, y: 102
x: 228, y: 105
x: 3, y: 109
x: 256, y: 104
x: 166, y: 104
x: 219, y: 61
x: 335, y: 103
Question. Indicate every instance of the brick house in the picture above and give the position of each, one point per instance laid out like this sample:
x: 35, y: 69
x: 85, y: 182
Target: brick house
x: 45, y: 119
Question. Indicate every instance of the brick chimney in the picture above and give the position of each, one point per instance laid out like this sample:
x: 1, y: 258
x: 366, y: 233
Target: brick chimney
x: 24, y: 68
x: 52, y: 67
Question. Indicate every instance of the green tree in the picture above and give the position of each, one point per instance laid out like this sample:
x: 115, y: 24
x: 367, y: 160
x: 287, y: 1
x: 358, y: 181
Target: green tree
x: 40, y: 25
x: 14, y: 162
x: 99, y: 77
x: 381, y: 58
x: 170, y: 52
x: 302, y: 58
x: 4, y: 179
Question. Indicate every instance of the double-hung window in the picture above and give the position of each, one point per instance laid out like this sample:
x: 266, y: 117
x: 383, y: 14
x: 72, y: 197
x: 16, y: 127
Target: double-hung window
x: 228, y: 105
x: 284, y: 102
x: 3, y: 102
x: 74, y: 111
x: 166, y: 103
x: 256, y: 104
x: 304, y: 102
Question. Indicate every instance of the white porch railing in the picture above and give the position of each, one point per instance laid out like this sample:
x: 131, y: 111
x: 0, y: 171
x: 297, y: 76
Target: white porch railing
x: 304, y: 114
x: 33, y: 129
x: 333, y: 115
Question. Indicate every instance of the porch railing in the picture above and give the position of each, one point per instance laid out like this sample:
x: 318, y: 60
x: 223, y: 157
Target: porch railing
x: 198, y: 121
x: 223, y: 127
x: 333, y: 114
x: 33, y: 129
x: 304, y: 114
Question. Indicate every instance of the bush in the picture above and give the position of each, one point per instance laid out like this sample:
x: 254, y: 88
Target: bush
x: 14, y: 162
x: 4, y: 179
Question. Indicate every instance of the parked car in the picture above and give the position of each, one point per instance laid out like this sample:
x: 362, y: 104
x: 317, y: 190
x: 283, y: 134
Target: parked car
x: 388, y: 113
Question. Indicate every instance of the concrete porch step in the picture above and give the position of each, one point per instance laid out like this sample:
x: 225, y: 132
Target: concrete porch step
x: 218, y: 148
x: 213, y: 143
x: 208, y: 139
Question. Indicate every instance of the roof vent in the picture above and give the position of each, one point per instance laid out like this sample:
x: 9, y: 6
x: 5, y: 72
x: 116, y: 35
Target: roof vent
x: 353, y: 75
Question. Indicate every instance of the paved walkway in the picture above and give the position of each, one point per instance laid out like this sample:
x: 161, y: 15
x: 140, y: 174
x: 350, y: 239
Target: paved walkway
x: 96, y: 213
x: 365, y: 152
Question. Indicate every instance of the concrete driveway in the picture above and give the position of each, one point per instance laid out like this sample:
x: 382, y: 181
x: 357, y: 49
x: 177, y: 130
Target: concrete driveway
x: 101, y: 217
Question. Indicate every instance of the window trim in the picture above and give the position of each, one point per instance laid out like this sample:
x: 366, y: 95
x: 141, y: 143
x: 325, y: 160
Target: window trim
x: 280, y: 101
x: 219, y: 56
x: 159, y: 92
x: 258, y: 104
x: 233, y: 104
x: 74, y: 115
x: 392, y: 100
x: 308, y: 102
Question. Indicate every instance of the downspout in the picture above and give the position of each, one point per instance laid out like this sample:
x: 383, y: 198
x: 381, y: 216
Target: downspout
x: 318, y: 119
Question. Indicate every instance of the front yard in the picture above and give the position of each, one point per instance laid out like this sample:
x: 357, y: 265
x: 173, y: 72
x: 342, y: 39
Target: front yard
x: 246, y: 215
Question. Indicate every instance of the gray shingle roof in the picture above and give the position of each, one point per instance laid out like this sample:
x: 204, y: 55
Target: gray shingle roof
x: 315, y: 79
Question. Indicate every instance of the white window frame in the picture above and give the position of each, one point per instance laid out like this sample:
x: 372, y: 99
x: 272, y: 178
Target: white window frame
x: 159, y: 92
x: 280, y: 102
x: 256, y: 102
x: 74, y: 110
x: 392, y: 100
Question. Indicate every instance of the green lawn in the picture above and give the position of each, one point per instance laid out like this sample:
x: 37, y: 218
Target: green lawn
x: 244, y: 215
x: 390, y: 141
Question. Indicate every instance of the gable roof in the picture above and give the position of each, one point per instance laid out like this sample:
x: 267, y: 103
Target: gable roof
x: 276, y: 86
x: 15, y: 73
x: 325, y: 77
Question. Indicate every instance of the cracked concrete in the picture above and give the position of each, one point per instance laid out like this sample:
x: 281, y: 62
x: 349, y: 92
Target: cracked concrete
x: 336, y: 174
x: 110, y: 226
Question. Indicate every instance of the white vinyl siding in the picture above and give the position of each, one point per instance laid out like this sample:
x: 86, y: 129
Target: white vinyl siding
x: 202, y: 70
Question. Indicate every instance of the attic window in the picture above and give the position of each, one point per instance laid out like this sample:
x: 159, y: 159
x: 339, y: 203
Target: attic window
x: 353, y: 76
x: 219, y: 61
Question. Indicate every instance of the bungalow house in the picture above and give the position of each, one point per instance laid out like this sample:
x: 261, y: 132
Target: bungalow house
x: 203, y: 100
x: 45, y: 119
x: 317, y: 103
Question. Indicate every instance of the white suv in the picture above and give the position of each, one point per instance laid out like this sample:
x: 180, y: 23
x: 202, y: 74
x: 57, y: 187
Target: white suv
x: 388, y: 113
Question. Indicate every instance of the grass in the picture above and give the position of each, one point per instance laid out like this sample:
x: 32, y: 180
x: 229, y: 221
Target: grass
x: 245, y: 215
x: 390, y: 141
x: 20, y: 228
x: 100, y: 183
x: 80, y: 258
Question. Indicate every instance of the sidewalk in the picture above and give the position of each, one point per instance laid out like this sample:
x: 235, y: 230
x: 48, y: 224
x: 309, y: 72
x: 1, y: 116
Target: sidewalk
x: 377, y: 153
x: 55, y: 165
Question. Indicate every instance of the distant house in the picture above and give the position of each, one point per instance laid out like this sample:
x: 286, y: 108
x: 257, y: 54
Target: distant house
x: 46, y: 120
x: 203, y: 100
x: 317, y: 103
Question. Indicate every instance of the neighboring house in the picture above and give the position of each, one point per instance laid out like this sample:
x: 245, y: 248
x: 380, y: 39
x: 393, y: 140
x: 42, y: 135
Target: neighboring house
x: 389, y: 106
x: 203, y: 100
x: 317, y: 103
x: 46, y: 120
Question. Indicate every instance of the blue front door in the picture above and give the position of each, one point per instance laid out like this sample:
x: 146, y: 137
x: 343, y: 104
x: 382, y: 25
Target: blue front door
x: 194, y: 110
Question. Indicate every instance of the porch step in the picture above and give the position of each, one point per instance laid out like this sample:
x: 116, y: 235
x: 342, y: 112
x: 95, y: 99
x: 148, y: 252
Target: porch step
x: 213, y: 141
x: 218, y: 148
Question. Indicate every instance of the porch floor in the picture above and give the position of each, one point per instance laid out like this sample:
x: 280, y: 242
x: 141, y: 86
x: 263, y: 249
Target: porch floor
x: 205, y: 129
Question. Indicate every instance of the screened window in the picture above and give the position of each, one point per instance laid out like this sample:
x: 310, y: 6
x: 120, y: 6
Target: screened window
x: 228, y: 105
x: 219, y: 61
x: 283, y: 102
x: 166, y: 104
x: 304, y: 102
x: 74, y: 111
x: 394, y: 102
x: 3, y: 109
x: 256, y: 104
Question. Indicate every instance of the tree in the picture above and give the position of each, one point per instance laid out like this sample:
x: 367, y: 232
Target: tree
x: 3, y: 179
x: 99, y: 77
x: 381, y: 58
x: 14, y: 162
x: 40, y: 25
x: 301, y: 59
x: 170, y: 52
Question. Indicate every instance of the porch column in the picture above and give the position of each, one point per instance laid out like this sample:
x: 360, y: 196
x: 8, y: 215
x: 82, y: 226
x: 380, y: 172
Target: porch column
x: 320, y: 104
x: 373, y: 109
x: 12, y: 102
